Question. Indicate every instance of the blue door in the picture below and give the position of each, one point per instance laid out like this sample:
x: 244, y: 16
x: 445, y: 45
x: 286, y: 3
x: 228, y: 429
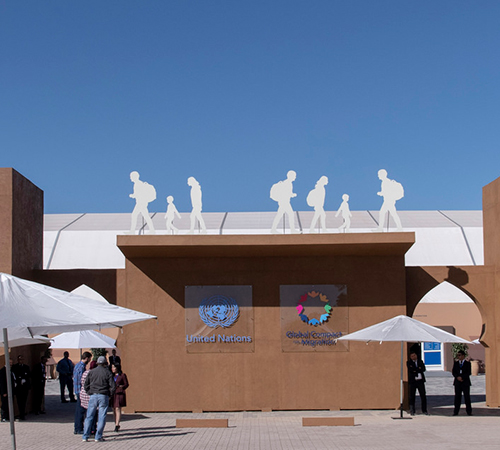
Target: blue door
x: 433, y: 355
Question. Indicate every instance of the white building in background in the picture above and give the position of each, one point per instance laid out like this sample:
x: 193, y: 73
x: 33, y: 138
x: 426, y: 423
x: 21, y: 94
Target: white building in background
x: 88, y: 241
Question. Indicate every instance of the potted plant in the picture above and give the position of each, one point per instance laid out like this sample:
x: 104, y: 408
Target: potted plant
x: 455, y: 348
x: 96, y: 352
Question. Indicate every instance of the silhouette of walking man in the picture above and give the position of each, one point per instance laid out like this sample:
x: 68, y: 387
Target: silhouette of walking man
x: 144, y: 193
x: 282, y: 192
x: 197, y: 205
x: 391, y: 191
x: 316, y: 199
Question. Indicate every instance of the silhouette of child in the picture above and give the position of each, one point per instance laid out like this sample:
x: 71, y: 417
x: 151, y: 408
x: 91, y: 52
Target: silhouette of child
x: 346, y: 213
x: 170, y: 215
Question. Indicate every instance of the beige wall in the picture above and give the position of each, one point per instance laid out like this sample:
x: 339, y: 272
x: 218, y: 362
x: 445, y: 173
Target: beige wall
x: 169, y: 379
x: 165, y: 378
x: 21, y: 224
x: 465, y: 318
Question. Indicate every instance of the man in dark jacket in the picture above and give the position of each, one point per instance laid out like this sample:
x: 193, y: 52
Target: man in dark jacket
x: 100, y: 385
x: 461, y: 371
x: 114, y: 358
x: 22, y: 374
x: 4, y: 392
x: 38, y: 377
x: 416, y: 380
x: 65, y: 368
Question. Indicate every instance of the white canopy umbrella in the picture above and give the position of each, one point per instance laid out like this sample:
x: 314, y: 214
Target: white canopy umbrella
x: 28, y: 341
x: 402, y: 329
x: 82, y: 339
x: 28, y: 309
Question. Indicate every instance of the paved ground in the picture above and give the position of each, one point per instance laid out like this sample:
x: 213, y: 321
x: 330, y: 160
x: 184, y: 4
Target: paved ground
x: 276, y: 430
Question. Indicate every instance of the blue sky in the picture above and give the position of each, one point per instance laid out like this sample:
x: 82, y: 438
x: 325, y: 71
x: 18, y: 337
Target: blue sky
x: 236, y: 93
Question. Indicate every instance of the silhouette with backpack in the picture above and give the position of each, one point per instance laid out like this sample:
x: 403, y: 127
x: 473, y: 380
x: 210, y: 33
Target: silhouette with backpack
x: 282, y: 192
x: 144, y: 193
x: 391, y: 191
x: 316, y: 199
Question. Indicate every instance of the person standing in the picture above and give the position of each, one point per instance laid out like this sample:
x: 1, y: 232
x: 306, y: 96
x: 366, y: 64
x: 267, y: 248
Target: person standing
x: 416, y: 381
x: 4, y: 391
x: 462, y: 371
x: 119, y: 398
x: 85, y: 398
x: 65, y: 368
x: 38, y: 378
x: 99, y: 385
x: 114, y: 358
x: 22, y: 374
x: 77, y: 384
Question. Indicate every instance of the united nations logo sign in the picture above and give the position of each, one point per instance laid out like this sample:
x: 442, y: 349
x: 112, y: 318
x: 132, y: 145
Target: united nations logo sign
x: 219, y: 311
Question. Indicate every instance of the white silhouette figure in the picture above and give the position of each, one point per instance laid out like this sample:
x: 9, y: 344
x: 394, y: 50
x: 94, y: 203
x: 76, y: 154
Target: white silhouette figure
x: 282, y: 192
x: 170, y: 215
x: 144, y: 193
x: 392, y: 191
x: 346, y: 213
x: 316, y: 199
x: 197, y: 205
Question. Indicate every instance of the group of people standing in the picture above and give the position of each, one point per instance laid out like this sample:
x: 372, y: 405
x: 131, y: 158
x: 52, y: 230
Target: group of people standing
x: 100, y: 387
x: 23, y: 380
x: 94, y: 390
x: 461, y: 374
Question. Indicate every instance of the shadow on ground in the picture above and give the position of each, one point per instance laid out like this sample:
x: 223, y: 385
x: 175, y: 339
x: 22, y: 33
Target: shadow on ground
x: 442, y: 405
x: 147, y: 432
x: 57, y: 412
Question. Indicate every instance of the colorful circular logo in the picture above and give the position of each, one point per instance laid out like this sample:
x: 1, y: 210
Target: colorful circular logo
x: 219, y: 311
x: 323, y: 318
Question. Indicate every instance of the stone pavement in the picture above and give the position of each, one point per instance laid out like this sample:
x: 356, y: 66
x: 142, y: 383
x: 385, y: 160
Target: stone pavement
x: 275, y: 430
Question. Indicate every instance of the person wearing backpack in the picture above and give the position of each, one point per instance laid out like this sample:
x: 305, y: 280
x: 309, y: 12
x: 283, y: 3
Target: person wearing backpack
x: 282, y: 192
x: 316, y: 199
x: 144, y: 193
x: 391, y: 191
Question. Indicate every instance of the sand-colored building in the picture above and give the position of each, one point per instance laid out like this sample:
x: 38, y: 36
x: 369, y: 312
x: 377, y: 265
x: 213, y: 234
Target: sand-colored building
x: 232, y: 305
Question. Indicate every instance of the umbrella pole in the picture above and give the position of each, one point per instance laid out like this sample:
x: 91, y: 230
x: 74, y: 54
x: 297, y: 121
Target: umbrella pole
x: 10, y: 388
x: 401, y: 384
x: 401, y: 387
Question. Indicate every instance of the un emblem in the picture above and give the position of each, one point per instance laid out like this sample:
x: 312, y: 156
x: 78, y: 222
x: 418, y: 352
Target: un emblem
x: 219, y: 311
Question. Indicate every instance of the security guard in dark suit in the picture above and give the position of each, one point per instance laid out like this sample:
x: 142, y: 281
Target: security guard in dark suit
x: 416, y: 381
x: 461, y: 371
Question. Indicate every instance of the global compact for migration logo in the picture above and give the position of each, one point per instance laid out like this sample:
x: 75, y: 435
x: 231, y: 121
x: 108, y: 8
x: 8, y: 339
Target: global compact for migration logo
x: 301, y: 309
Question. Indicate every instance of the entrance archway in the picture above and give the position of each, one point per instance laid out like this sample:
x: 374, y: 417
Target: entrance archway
x: 447, y: 307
